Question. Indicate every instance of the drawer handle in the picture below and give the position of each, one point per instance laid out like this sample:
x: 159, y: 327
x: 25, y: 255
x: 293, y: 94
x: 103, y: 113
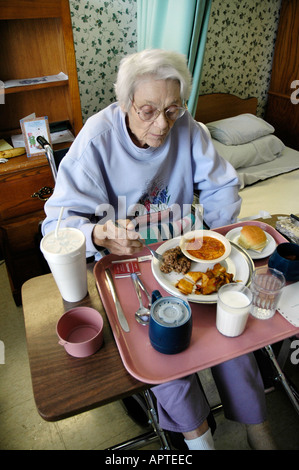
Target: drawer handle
x: 43, y: 194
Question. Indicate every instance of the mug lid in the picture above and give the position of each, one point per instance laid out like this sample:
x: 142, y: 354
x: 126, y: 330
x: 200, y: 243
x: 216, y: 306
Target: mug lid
x: 171, y: 311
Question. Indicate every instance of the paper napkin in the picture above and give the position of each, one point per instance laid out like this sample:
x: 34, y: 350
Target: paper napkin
x: 288, y: 305
x: 124, y: 268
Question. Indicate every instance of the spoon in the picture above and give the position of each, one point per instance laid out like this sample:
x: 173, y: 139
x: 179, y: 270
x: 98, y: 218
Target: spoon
x: 142, y: 314
x: 145, y: 291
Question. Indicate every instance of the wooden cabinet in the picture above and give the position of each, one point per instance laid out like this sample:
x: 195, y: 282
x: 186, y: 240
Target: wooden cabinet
x: 281, y: 112
x: 21, y: 212
x: 36, y: 41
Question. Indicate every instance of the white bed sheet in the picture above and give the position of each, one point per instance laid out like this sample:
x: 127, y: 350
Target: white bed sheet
x: 288, y: 161
x: 276, y: 195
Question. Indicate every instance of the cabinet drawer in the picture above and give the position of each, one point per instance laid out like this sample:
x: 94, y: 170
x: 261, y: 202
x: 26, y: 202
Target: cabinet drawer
x: 20, y: 240
x: 20, y: 234
x: 16, y: 190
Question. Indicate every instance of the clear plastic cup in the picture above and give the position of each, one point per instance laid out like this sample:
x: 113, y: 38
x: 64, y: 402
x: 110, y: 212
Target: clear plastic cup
x: 66, y: 257
x: 266, y: 287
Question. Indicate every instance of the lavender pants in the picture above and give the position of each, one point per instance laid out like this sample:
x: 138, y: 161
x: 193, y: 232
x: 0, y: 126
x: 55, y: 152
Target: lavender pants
x: 182, y: 406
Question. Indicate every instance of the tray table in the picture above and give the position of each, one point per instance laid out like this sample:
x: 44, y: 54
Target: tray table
x: 207, y: 348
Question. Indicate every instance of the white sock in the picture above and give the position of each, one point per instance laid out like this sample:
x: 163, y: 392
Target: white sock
x: 204, y: 442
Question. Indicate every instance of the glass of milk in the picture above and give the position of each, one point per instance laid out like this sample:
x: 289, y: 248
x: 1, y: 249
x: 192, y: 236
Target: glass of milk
x: 233, y: 307
x: 65, y: 253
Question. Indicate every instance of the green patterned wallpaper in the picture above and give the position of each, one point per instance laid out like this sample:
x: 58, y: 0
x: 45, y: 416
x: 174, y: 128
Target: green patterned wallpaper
x: 240, y: 47
x: 104, y: 31
x: 238, y: 55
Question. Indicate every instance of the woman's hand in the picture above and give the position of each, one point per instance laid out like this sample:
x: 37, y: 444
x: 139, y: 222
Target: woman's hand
x: 119, y: 238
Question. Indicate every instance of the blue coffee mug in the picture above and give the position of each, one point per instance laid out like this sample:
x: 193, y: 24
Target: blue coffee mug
x: 170, y: 325
x: 286, y: 259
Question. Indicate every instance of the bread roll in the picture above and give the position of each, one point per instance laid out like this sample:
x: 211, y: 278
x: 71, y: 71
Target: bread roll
x: 252, y: 238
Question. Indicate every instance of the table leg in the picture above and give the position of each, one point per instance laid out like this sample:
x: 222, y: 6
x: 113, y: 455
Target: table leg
x: 147, y: 438
x: 292, y: 394
x: 154, y: 420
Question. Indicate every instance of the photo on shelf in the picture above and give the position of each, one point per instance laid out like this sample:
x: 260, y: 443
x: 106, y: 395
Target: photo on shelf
x: 31, y: 129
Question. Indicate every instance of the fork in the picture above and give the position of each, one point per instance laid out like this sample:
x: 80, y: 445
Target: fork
x: 154, y: 253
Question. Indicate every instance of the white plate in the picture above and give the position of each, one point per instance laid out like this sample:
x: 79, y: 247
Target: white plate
x: 234, y: 234
x: 238, y: 263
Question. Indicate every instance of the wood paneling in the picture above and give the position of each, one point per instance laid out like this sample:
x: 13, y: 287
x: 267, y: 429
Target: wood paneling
x: 215, y: 106
x: 281, y: 112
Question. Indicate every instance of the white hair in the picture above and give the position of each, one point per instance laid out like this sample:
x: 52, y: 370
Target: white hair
x: 154, y: 63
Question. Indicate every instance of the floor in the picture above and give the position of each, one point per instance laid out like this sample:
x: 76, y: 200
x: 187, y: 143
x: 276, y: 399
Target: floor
x: 21, y: 427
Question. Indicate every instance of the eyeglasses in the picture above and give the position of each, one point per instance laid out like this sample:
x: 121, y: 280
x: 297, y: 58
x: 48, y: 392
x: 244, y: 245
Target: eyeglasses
x: 149, y: 113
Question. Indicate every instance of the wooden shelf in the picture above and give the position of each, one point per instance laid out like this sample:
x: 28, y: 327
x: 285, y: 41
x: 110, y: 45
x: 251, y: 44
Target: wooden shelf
x: 280, y: 95
x: 39, y: 86
x: 36, y: 41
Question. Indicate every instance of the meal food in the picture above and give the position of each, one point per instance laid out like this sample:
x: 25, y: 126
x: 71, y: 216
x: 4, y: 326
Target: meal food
x: 252, y: 237
x: 175, y: 260
x: 194, y: 282
x: 207, y: 248
x: 205, y: 283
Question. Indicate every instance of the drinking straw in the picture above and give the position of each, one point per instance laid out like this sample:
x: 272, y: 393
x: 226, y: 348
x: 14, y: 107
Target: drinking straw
x: 58, y: 222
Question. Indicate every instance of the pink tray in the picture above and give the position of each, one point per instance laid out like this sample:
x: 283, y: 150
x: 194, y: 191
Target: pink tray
x: 208, y: 347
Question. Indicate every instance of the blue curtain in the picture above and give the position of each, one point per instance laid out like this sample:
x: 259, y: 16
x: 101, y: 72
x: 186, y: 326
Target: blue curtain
x: 179, y: 25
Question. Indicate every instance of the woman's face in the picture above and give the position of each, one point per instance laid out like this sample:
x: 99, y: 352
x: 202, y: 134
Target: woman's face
x: 150, y: 94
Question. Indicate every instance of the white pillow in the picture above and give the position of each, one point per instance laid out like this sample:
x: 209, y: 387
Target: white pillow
x: 262, y: 150
x: 239, y: 129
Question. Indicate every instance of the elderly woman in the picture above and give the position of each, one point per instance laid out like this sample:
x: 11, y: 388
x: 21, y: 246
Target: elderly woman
x: 146, y: 153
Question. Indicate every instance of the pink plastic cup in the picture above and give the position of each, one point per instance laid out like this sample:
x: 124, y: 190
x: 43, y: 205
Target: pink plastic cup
x: 80, y: 331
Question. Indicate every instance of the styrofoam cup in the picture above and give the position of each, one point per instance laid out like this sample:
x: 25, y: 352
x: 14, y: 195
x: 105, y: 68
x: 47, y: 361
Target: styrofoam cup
x: 66, y: 257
